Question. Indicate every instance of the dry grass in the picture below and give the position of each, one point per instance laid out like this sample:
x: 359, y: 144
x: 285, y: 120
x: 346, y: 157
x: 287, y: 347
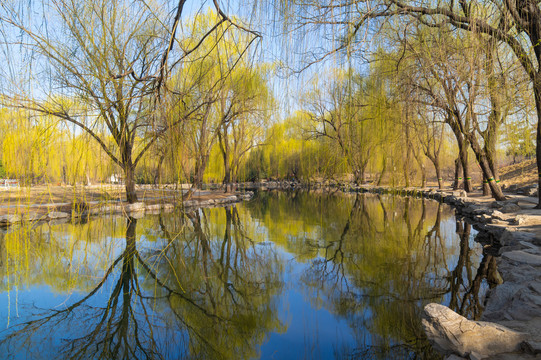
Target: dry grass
x: 521, y: 174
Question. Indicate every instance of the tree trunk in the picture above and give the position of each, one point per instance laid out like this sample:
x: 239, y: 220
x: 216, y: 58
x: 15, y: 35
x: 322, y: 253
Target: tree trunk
x: 157, y: 175
x: 438, y: 174
x: 227, y: 175
x: 490, y: 137
x: 200, y: 166
x: 458, y: 172
x: 383, y: 170
x: 129, y: 181
x: 481, y: 158
x: 463, y: 154
x: 406, y: 166
x: 537, y: 92
x: 486, y: 188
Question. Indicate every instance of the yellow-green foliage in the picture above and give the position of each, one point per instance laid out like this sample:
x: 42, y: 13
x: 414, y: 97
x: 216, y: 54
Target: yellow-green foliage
x: 40, y: 149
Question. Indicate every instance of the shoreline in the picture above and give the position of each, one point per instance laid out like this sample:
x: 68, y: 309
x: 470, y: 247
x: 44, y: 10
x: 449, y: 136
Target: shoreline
x: 510, y: 326
x: 65, y: 211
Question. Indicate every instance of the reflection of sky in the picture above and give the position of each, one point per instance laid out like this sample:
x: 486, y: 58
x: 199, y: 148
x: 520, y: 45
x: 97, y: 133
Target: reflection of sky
x: 311, y: 333
x: 312, y: 328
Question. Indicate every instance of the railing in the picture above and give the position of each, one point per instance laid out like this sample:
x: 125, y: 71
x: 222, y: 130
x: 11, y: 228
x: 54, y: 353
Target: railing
x: 7, y: 183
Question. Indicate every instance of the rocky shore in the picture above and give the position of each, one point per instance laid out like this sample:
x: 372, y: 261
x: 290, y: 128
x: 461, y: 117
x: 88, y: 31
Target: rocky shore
x: 67, y: 211
x: 511, y: 322
x: 511, y: 326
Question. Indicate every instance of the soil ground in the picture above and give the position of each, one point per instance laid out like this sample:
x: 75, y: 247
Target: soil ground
x: 45, y: 198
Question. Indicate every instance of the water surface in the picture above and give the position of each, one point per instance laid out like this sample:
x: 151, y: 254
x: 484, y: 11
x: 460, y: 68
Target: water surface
x: 284, y: 276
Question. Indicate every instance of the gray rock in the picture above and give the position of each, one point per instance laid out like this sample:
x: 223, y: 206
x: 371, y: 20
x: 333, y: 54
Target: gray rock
x: 452, y: 333
x: 529, y: 246
x: 509, y: 208
x: 499, y: 300
x: 31, y: 216
x: 479, y: 211
x: 57, y: 215
x: 10, y: 219
x: 484, y: 218
x: 498, y: 214
x: 137, y: 214
x: 454, y: 357
x: 528, y: 190
x: 520, y: 220
x: 512, y: 238
x: 459, y: 193
x: 469, y: 209
x: 535, y: 286
x: 523, y: 257
x: 139, y: 206
x: 512, y: 187
x: 496, y: 204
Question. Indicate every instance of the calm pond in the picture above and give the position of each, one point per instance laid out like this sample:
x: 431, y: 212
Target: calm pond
x: 284, y: 276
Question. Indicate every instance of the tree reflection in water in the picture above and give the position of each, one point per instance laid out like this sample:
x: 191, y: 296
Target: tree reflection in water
x: 379, y: 272
x: 214, y: 283
x: 195, y: 298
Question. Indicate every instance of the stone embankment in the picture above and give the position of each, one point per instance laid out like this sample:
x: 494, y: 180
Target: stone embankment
x: 65, y: 212
x: 511, y: 326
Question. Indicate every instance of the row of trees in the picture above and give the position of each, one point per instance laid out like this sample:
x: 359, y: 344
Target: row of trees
x: 168, y: 99
x: 465, y: 67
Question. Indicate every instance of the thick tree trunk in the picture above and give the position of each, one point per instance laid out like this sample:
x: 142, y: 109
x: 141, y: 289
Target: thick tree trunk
x: 158, y: 174
x: 200, y: 166
x: 458, y: 173
x: 486, y: 188
x: 462, y: 153
x: 438, y: 174
x: 490, y: 151
x: 481, y: 158
x: 406, y: 176
x: 227, y: 175
x: 129, y: 181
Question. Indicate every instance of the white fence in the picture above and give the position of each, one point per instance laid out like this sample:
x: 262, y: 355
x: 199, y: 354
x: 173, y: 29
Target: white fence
x: 9, y: 183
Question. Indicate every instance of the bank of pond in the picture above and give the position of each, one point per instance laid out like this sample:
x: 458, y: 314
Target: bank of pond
x: 287, y: 275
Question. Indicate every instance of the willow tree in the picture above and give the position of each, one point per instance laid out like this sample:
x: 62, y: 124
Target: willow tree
x: 234, y: 91
x: 513, y: 25
x: 114, y: 58
x: 243, y: 113
x: 345, y: 109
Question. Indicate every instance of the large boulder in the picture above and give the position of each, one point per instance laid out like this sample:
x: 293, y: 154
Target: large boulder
x: 452, y: 333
